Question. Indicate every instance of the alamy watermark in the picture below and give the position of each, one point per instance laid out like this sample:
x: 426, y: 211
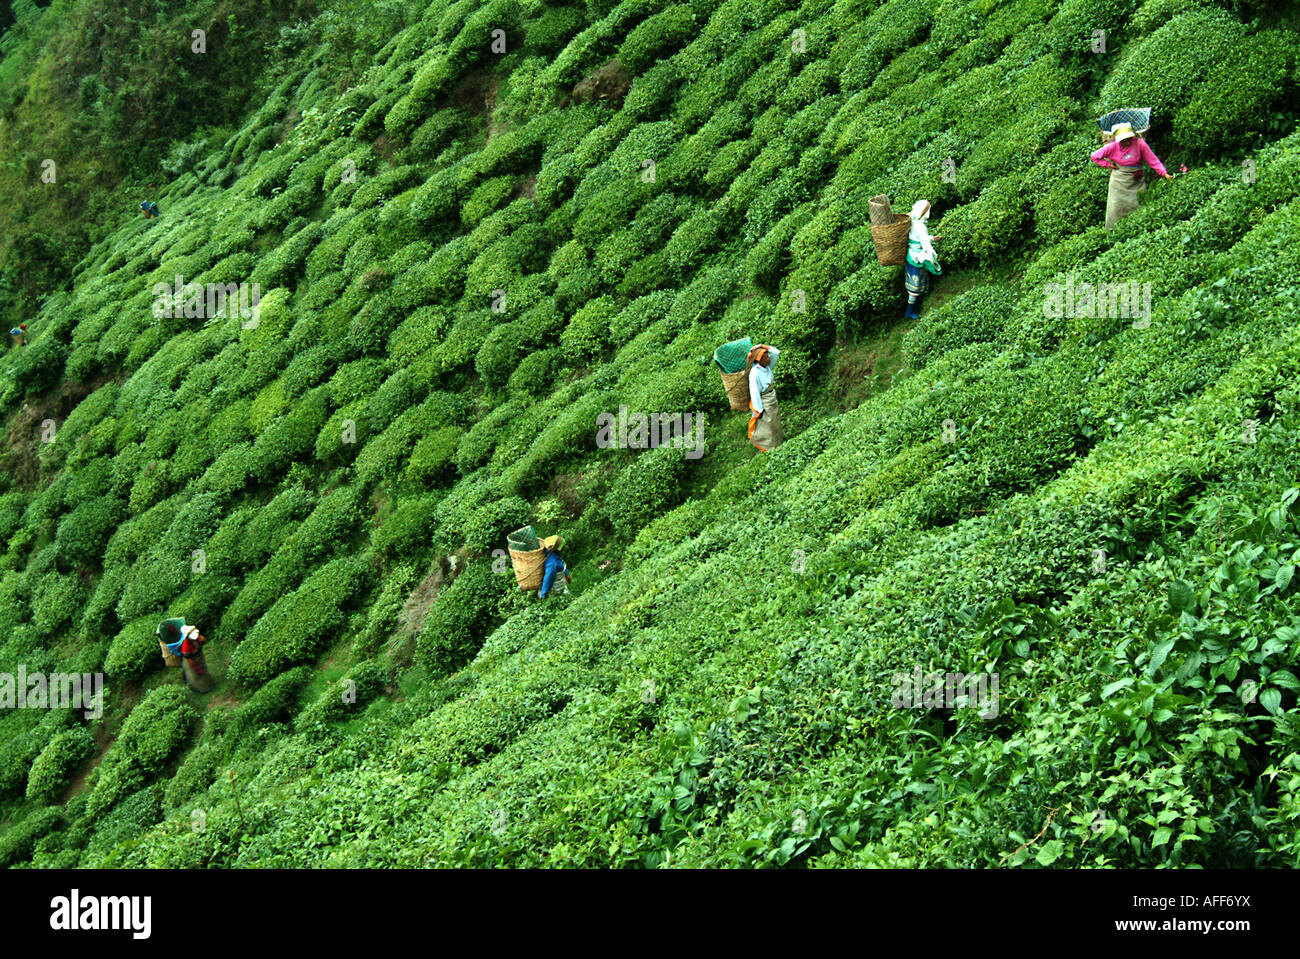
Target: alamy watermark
x: 57, y: 691
x: 934, y: 690
x: 196, y: 301
x: 640, y: 431
x: 1131, y: 300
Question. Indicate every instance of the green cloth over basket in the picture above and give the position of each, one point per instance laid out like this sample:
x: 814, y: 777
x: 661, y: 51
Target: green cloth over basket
x: 523, y: 540
x: 731, y: 357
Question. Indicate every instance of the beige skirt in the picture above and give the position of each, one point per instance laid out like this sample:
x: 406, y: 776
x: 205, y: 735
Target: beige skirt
x: 195, y: 670
x: 1122, y: 197
x: 765, y: 432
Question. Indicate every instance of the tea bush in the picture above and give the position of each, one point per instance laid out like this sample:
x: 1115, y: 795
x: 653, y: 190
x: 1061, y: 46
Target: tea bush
x: 462, y: 618
x: 299, y: 624
x: 653, y: 485
x: 1232, y: 107
x: 57, y: 762
x: 351, y: 694
x: 151, y: 735
x: 1164, y: 69
x: 384, y: 192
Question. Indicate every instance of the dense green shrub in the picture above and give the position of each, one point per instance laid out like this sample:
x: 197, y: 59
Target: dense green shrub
x: 273, y: 702
x: 405, y: 532
x: 664, y: 31
x: 57, y: 762
x: 1071, y: 28
x: 18, y: 841
x: 360, y: 686
x: 462, y: 617
x: 978, y: 315
x: 1235, y: 102
x: 134, y: 650
x: 154, y: 730
x: 300, y: 624
x: 587, y: 334
x: 536, y: 374
x: 433, y: 459
x: 1164, y: 70
x: 196, y: 772
x: 654, y: 484
x: 329, y: 527
x: 292, y: 436
x: 489, y: 524
x: 479, y: 442
x: 56, y: 601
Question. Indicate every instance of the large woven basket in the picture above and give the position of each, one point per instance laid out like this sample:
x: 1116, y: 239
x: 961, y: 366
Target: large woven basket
x: 1137, y: 117
x: 169, y: 658
x: 737, y: 387
x: 529, y: 568
x: 891, y: 240
x: 880, y: 211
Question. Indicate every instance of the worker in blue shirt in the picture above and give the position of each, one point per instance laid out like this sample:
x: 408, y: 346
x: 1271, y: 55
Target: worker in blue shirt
x: 150, y: 209
x: 554, y: 566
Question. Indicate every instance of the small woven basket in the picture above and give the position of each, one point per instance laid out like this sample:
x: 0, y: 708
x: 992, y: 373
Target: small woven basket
x: 737, y: 388
x: 880, y: 211
x: 891, y: 240
x: 529, y: 568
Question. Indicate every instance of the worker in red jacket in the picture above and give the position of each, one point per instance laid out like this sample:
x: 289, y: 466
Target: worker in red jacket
x: 187, y: 642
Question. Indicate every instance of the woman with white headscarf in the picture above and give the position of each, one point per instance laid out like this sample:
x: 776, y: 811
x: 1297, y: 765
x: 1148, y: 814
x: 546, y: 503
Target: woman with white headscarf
x: 922, y: 261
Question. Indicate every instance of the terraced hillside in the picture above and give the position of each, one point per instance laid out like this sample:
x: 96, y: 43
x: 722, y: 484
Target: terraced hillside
x: 475, y: 227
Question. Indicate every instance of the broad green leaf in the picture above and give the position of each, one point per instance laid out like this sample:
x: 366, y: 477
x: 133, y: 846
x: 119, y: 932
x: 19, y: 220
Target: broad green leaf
x: 1050, y: 852
x: 1159, y: 655
x: 1116, y: 686
x: 1181, y: 596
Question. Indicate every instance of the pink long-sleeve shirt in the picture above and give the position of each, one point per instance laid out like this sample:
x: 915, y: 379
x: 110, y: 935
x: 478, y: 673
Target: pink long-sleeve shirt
x: 1134, y: 155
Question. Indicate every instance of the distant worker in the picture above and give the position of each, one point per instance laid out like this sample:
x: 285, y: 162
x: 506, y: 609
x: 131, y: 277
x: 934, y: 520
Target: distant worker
x: 554, y: 567
x: 922, y: 260
x: 19, y: 334
x: 150, y: 209
x: 765, y: 422
x: 1125, y: 156
x: 185, y: 643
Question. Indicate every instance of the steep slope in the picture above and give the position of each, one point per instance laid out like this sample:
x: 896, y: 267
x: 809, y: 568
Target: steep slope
x: 469, y: 254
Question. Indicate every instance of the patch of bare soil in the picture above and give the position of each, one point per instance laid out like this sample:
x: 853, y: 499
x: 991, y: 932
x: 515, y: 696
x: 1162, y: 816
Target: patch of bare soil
x: 476, y: 94
x: 102, y: 743
x: 565, y: 489
x: 23, y: 439
x: 410, y: 621
x: 286, y: 125
x: 611, y: 82
x: 384, y: 147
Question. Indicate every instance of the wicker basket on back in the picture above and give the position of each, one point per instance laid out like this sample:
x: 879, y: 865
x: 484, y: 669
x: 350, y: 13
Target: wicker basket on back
x: 891, y: 240
x: 737, y: 387
x: 888, y: 231
x: 880, y: 211
x: 732, y: 360
x: 528, y: 558
x: 529, y: 568
x: 169, y: 658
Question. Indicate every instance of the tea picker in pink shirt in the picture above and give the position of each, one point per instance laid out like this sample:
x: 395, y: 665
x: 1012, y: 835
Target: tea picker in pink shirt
x: 1125, y: 155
